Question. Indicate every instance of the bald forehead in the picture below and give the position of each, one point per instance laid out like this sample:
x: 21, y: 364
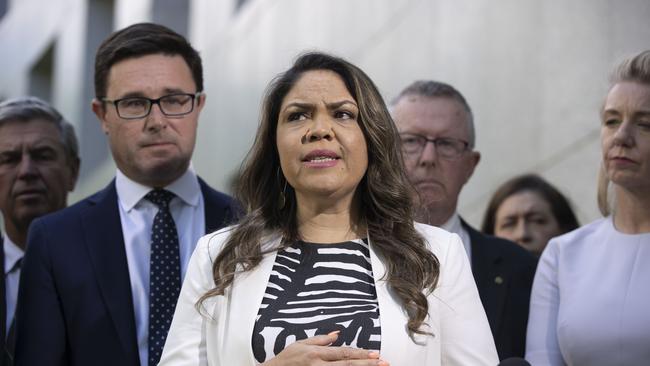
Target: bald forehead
x: 431, y: 116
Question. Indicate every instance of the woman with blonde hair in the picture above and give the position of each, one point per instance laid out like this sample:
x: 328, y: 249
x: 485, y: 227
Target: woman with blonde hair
x: 328, y: 267
x: 590, y: 298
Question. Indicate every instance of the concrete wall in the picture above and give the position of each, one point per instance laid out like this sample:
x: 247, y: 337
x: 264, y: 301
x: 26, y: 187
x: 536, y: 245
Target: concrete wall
x: 534, y: 71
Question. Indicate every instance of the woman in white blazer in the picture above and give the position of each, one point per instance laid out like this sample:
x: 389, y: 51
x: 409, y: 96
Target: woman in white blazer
x: 327, y: 266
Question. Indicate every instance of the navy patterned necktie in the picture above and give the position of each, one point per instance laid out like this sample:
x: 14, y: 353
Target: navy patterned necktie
x: 164, y: 272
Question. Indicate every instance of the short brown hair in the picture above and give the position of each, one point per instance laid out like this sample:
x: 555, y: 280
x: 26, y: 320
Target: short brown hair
x: 143, y: 39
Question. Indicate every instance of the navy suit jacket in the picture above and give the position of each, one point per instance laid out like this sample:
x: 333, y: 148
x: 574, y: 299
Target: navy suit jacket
x: 4, y: 361
x: 75, y: 304
x: 504, y: 274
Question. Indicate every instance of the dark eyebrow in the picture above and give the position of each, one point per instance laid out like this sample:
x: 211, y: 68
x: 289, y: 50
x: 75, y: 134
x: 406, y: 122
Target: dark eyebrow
x: 611, y: 111
x: 38, y: 149
x: 166, y: 91
x: 175, y: 91
x: 614, y: 112
x: 508, y: 218
x: 131, y: 95
x: 330, y: 106
x: 10, y: 151
x: 298, y: 105
x: 336, y: 105
x: 31, y: 152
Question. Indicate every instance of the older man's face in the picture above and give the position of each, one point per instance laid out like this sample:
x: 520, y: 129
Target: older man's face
x: 35, y: 174
x: 437, y: 179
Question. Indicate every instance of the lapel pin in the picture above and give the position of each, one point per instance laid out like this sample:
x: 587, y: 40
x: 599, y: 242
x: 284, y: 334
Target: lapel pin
x: 498, y: 280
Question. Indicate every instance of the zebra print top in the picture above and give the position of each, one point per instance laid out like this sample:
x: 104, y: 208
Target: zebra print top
x: 315, y: 289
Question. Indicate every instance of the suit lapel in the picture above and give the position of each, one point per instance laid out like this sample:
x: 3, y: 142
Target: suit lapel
x: 104, y: 240
x: 10, y: 343
x: 245, y: 299
x: 3, y: 306
x: 215, y: 209
x: 395, y: 343
x: 3, y: 303
x: 490, y: 279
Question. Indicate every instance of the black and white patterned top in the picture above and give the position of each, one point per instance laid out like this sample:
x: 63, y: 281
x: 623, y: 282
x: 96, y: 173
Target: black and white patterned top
x: 315, y: 289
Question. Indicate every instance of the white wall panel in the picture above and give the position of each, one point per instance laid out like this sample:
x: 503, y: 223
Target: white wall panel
x: 534, y: 72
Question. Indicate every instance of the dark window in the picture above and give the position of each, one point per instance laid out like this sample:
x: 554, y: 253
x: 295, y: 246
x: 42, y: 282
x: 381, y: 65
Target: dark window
x: 3, y: 8
x: 93, y: 145
x: 40, y: 75
x: 239, y: 4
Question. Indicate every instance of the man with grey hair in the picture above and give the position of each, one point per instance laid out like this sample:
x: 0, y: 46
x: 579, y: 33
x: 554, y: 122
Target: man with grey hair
x: 437, y: 132
x: 39, y: 165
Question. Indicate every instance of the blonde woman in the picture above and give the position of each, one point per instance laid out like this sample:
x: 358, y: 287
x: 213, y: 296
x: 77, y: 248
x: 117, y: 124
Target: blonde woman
x: 590, y: 298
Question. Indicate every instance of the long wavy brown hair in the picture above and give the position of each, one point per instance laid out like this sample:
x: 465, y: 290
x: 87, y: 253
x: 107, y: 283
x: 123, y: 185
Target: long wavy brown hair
x: 383, y: 194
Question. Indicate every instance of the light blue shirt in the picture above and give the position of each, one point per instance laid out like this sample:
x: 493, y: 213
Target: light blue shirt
x: 13, y: 254
x: 136, y: 216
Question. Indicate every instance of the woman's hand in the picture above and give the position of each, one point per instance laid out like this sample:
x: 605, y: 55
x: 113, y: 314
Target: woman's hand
x: 317, y: 351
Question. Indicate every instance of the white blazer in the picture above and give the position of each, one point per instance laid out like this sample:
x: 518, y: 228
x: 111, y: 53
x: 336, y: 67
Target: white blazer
x: 221, y: 335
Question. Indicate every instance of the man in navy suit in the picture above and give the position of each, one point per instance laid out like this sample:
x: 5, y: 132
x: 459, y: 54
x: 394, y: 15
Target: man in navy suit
x: 100, y: 278
x: 39, y: 165
x: 5, y: 359
x: 437, y: 132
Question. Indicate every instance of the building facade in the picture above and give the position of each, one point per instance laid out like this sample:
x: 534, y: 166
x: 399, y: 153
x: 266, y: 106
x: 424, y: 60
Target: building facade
x: 535, y: 72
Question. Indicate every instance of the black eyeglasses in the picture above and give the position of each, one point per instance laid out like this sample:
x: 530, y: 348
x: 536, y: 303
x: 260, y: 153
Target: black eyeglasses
x: 171, y: 105
x: 446, y: 147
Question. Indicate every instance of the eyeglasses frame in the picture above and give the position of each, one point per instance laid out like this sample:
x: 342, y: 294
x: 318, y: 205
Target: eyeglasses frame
x: 466, y: 146
x: 151, y: 103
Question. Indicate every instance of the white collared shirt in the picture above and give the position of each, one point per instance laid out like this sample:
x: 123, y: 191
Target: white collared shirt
x: 454, y: 225
x: 13, y: 254
x: 136, y: 216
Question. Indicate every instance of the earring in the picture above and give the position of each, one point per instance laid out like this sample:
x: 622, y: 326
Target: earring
x: 282, y: 200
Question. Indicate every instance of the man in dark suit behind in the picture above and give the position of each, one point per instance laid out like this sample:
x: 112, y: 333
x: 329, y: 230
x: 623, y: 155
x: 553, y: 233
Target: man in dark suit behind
x: 101, y: 278
x: 437, y: 132
x: 39, y: 165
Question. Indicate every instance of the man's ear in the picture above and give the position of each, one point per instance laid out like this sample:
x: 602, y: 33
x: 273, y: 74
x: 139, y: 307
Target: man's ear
x: 99, y: 108
x: 474, y: 159
x: 74, y: 166
x: 200, y: 101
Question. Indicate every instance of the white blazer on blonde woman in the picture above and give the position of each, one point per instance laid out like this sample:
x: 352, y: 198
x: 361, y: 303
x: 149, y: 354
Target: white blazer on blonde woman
x: 221, y: 335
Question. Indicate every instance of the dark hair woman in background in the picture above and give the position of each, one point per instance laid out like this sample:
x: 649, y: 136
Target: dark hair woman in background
x: 590, y: 299
x: 529, y: 211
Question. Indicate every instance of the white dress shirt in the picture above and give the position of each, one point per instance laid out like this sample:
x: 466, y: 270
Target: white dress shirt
x: 454, y: 225
x: 13, y: 254
x: 136, y: 216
